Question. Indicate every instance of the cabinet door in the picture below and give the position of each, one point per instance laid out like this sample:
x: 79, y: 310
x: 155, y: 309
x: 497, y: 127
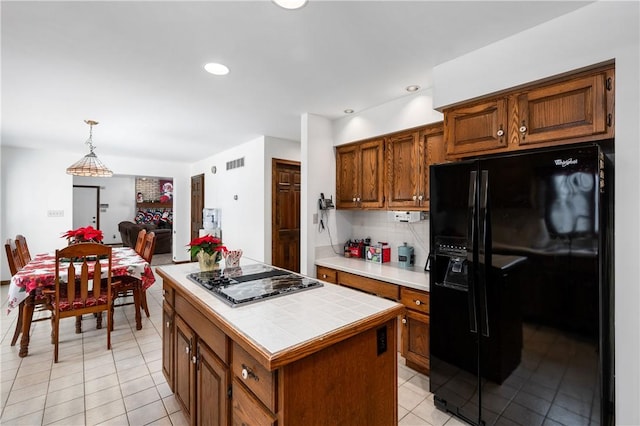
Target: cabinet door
x: 347, y: 176
x: 371, y: 193
x: 473, y: 129
x: 574, y: 109
x: 168, y: 341
x: 212, y: 378
x: 403, y: 170
x: 415, y: 340
x: 432, y: 144
x: 185, y: 372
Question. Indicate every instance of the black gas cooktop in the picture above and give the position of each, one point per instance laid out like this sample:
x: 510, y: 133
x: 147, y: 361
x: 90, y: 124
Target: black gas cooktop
x: 252, y: 283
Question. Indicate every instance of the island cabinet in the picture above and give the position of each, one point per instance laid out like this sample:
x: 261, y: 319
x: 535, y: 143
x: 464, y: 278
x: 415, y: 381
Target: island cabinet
x: 573, y: 108
x: 360, y: 175
x: 221, y: 376
x: 409, y: 155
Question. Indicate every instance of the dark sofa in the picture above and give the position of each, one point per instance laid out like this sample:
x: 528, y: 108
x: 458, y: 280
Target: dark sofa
x: 129, y: 233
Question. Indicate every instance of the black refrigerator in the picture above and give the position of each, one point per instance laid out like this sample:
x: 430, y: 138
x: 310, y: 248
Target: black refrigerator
x: 521, y: 283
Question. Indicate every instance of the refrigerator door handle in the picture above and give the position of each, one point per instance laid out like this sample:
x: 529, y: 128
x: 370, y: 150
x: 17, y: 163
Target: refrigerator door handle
x: 471, y: 213
x: 484, y: 248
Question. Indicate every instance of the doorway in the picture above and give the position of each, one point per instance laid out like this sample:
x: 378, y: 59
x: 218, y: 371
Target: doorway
x: 285, y: 214
x: 86, y: 206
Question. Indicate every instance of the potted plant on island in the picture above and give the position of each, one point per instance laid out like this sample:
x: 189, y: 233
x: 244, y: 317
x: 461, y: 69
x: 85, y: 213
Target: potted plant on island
x: 208, y: 250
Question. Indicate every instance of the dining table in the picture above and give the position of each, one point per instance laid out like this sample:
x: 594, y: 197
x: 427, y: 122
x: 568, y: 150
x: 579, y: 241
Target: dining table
x: 39, y: 275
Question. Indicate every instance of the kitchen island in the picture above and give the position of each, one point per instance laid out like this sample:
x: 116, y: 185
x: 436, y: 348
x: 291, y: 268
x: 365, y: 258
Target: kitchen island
x: 321, y: 356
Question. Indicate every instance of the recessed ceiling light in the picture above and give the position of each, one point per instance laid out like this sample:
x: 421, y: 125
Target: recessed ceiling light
x: 290, y: 4
x: 348, y: 111
x: 412, y: 88
x: 216, y: 69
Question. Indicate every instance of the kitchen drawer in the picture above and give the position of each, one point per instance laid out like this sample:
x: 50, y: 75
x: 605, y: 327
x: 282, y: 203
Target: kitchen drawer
x: 168, y: 294
x: 245, y: 409
x: 415, y: 299
x: 327, y: 274
x: 379, y: 288
x: 254, y: 376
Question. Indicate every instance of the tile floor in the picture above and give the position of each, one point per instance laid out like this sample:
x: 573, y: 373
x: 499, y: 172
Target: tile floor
x: 125, y: 386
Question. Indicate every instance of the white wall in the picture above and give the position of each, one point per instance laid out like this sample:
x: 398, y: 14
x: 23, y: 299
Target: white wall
x: 246, y: 222
x: 119, y: 193
x: 595, y: 33
x: 35, y: 181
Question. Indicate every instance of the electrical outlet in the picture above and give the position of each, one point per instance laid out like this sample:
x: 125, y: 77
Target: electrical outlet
x: 55, y: 213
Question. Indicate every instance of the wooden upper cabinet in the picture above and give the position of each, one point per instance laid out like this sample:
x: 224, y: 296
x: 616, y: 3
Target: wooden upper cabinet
x: 409, y: 155
x: 360, y: 175
x: 432, y: 143
x: 403, y: 170
x: 570, y: 109
x: 476, y: 128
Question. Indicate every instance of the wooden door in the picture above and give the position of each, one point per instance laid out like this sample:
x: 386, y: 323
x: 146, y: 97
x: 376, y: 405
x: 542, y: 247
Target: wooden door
x: 403, y: 170
x: 285, y: 214
x: 185, y: 372
x: 168, y: 341
x: 86, y: 206
x: 197, y: 204
x: 572, y: 109
x: 371, y: 194
x: 477, y: 128
x: 432, y: 142
x: 347, y: 176
x: 212, y: 385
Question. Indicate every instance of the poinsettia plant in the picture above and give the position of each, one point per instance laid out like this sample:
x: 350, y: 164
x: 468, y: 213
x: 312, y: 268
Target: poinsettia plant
x: 82, y: 235
x: 209, y: 245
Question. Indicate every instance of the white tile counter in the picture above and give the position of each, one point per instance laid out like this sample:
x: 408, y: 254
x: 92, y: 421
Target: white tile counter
x: 389, y: 272
x: 280, y: 324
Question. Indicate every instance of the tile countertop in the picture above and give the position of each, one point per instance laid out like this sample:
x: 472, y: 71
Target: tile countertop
x: 415, y: 277
x: 280, y: 324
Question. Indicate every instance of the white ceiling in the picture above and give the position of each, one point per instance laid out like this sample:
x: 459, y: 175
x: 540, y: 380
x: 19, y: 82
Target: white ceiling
x: 137, y: 67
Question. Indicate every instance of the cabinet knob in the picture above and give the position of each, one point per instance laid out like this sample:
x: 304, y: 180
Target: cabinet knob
x: 404, y: 320
x: 358, y: 199
x: 420, y: 197
x: 415, y: 197
x: 194, y: 359
x: 354, y: 199
x: 168, y: 324
x: 523, y: 128
x: 187, y: 349
x: 324, y: 275
x: 500, y: 132
x: 418, y: 302
x: 248, y: 373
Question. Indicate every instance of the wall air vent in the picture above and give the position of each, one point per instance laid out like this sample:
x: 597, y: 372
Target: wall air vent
x: 234, y: 164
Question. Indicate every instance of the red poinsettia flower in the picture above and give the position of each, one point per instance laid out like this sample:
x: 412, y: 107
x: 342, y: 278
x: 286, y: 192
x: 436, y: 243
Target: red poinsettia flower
x: 208, y: 244
x: 86, y: 234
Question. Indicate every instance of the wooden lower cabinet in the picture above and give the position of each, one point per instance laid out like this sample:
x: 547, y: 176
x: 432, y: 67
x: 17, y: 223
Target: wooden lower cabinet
x: 212, y: 387
x: 184, y: 372
x: 168, y: 343
x: 415, y: 340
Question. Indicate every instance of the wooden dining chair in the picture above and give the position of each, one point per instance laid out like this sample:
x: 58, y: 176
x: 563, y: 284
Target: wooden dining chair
x: 39, y: 300
x: 23, y: 249
x: 75, y: 293
x: 131, y: 286
x: 140, y: 241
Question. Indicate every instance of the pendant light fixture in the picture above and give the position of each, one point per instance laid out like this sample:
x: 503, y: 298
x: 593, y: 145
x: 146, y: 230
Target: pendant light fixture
x: 89, y: 165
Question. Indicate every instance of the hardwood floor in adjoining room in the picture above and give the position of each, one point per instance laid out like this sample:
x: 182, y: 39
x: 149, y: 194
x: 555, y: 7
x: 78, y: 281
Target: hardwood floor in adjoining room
x: 125, y: 386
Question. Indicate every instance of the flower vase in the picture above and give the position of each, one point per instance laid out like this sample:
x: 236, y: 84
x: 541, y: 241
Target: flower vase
x: 208, y: 262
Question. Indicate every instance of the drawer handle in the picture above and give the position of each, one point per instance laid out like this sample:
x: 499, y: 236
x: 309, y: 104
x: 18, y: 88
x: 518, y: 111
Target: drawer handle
x: 248, y: 373
x: 187, y: 349
x: 404, y: 320
x: 168, y: 324
x: 418, y: 302
x: 324, y: 275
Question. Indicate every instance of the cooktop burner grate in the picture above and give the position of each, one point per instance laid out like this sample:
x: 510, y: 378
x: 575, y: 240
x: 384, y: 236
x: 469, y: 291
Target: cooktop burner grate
x: 240, y: 286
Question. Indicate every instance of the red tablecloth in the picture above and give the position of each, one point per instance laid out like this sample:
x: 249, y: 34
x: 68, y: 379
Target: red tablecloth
x: 41, y: 270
